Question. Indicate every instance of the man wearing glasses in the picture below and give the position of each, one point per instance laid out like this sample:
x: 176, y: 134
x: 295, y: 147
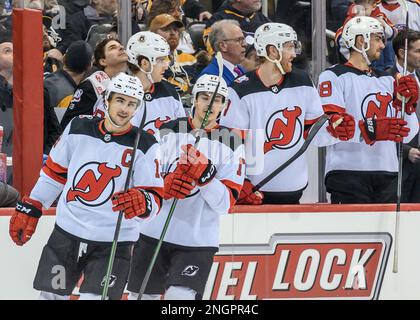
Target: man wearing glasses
x: 227, y: 37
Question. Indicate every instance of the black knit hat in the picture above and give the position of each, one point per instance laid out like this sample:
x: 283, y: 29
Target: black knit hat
x: 78, y: 56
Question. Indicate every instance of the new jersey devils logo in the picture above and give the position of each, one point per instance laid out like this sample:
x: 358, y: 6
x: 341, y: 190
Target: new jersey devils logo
x: 284, y: 129
x: 157, y: 123
x: 376, y: 105
x: 93, y: 184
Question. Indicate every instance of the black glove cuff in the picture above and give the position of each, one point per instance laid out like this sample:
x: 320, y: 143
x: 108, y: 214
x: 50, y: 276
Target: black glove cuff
x: 149, y: 204
x: 208, y: 174
x: 370, y: 125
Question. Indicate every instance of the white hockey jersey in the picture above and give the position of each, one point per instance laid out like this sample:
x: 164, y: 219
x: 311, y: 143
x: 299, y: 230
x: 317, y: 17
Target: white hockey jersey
x: 195, y: 222
x: 397, y: 14
x: 363, y: 95
x: 162, y: 104
x: 87, y: 166
x: 283, y: 112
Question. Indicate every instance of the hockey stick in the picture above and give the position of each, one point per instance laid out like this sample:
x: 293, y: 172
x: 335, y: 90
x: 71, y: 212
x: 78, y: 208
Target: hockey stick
x: 315, y: 128
x: 400, y: 152
x: 175, y: 201
x: 120, y: 215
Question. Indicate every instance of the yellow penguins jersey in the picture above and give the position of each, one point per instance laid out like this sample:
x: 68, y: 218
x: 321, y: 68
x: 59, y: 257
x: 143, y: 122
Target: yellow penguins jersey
x: 87, y: 165
x: 161, y: 104
x: 363, y: 95
x: 397, y: 14
x: 195, y: 222
x: 283, y: 112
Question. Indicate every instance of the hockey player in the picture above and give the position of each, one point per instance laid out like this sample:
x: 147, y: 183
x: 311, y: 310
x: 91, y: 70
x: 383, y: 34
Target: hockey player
x: 88, y: 166
x: 110, y: 58
x: 207, y: 180
x: 284, y: 104
x: 148, y: 61
x: 364, y: 169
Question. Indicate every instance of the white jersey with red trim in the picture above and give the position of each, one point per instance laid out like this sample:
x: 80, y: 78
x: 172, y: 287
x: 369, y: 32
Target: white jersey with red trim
x: 363, y: 95
x: 283, y: 112
x: 397, y: 14
x: 195, y: 222
x: 87, y: 166
x: 162, y: 104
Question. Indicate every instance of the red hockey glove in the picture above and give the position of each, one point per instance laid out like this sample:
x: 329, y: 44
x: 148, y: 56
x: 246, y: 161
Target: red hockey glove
x: 341, y: 126
x: 24, y: 221
x: 383, y: 129
x: 196, y: 165
x: 178, y: 185
x: 406, y: 87
x: 249, y: 197
x: 134, y: 203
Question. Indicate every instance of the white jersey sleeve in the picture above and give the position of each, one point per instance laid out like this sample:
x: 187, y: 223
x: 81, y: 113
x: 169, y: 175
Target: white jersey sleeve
x: 53, y: 175
x: 148, y: 177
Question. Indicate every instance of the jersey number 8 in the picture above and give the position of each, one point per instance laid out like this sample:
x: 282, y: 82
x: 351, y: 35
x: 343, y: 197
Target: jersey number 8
x: 325, y: 89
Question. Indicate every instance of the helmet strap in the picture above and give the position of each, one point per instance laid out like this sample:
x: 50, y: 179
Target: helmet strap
x: 277, y: 62
x: 364, y: 50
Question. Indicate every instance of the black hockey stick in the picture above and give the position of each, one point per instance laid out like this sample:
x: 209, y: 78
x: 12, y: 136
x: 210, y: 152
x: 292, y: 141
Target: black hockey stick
x: 400, y: 151
x: 175, y: 201
x: 120, y: 215
x: 312, y: 133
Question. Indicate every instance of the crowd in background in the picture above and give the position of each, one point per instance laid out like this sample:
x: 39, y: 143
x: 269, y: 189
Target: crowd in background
x: 193, y: 29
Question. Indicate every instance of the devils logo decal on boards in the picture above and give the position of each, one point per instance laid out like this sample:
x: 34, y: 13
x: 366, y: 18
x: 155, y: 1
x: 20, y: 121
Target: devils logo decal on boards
x: 93, y: 184
x: 284, y: 129
x: 376, y: 105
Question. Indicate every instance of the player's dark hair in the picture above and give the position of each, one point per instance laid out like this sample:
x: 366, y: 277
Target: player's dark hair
x: 399, y: 41
x: 99, y: 52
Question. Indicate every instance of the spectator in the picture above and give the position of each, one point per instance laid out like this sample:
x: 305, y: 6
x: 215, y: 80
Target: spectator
x: 110, y: 58
x: 6, y: 95
x: 246, y: 12
x: 251, y: 61
x: 73, y: 6
x: 9, y: 196
x: 397, y: 14
x: 60, y: 86
x: 227, y: 37
x: 194, y: 10
x: 191, y: 8
x: 364, y: 168
x: 172, y: 7
x: 411, y: 153
x: 181, y: 68
x: 87, y: 25
x: 50, y: 38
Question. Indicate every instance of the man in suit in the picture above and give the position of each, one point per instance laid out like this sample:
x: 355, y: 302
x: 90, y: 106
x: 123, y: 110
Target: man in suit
x: 227, y: 37
x: 411, y: 152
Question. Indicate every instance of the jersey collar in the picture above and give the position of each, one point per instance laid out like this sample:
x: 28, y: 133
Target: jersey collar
x: 148, y: 96
x: 206, y: 130
x: 368, y: 72
x: 106, y: 135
